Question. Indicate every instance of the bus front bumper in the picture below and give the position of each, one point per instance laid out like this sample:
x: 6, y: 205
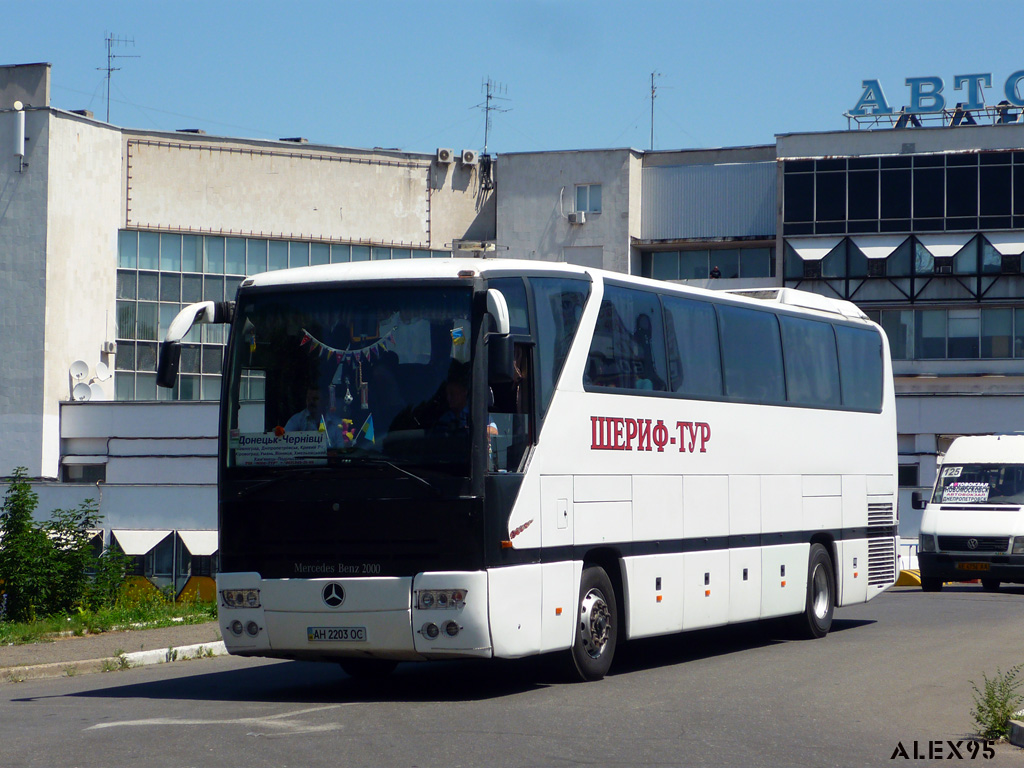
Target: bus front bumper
x: 378, y: 617
x: 967, y: 567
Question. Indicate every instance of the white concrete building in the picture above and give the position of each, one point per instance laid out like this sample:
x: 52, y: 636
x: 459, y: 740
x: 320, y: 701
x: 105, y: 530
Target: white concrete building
x: 106, y: 232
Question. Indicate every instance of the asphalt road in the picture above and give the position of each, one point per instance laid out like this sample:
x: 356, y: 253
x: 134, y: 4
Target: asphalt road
x: 894, y: 672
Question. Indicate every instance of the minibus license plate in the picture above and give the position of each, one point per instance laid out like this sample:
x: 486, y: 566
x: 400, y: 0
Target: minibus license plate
x: 336, y: 634
x: 973, y: 566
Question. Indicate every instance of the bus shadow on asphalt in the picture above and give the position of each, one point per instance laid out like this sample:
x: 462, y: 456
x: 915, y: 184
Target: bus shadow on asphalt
x: 439, y: 681
x: 695, y: 645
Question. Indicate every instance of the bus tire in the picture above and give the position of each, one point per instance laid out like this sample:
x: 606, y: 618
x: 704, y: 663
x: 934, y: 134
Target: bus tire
x: 367, y: 669
x: 990, y: 585
x: 931, y: 584
x: 816, y: 620
x: 597, y: 626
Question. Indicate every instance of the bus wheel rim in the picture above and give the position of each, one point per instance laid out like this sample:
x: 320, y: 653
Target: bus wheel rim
x: 820, y: 595
x: 595, y: 623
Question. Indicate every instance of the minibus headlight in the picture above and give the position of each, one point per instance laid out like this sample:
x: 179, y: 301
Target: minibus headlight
x: 926, y: 543
x: 1018, y: 545
x: 240, y: 598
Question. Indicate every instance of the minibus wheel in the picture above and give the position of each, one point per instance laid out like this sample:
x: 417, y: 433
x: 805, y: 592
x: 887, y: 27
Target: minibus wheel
x: 597, y: 626
x: 816, y: 620
x: 990, y: 585
x: 931, y: 584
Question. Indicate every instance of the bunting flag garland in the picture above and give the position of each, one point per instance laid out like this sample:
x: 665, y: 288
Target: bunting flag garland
x: 367, y: 353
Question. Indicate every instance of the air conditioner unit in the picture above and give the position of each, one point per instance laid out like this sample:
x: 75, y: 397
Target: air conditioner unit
x: 469, y: 157
x: 943, y: 265
x: 109, y: 347
x: 578, y: 217
x: 445, y: 156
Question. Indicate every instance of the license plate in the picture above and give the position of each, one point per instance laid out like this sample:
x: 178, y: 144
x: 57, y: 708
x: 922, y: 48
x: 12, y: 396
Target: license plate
x: 336, y: 634
x: 973, y: 566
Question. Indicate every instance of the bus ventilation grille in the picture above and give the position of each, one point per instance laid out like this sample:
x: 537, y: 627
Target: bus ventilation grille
x: 881, y: 562
x: 880, y: 514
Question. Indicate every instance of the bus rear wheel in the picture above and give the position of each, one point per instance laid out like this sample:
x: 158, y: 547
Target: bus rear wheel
x: 816, y: 620
x: 597, y: 626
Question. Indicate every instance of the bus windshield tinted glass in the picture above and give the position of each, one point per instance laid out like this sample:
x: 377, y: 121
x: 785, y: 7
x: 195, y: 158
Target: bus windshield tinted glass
x: 980, y: 484
x: 342, y: 376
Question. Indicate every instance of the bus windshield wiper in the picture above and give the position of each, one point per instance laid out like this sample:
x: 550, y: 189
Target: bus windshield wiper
x: 284, y: 474
x: 413, y: 475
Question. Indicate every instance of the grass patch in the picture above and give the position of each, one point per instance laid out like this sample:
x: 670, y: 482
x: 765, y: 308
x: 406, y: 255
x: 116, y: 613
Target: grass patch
x: 997, y: 701
x: 130, y: 611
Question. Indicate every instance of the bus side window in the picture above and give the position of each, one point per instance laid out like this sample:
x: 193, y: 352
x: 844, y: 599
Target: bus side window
x: 695, y: 360
x: 628, y: 348
x: 558, y: 305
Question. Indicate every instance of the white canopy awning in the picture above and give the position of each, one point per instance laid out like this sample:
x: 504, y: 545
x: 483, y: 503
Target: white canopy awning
x: 1007, y: 243
x: 878, y: 246
x: 944, y: 245
x: 136, y: 542
x: 200, y: 542
x: 813, y: 248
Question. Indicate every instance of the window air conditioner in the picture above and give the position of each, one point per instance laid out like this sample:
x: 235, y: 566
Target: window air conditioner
x: 578, y: 217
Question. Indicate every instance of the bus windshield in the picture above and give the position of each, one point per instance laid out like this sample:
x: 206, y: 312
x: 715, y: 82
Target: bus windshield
x: 341, y: 376
x: 980, y: 484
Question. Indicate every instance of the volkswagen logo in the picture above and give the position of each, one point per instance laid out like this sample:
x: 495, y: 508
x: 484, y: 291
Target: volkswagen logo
x: 334, y: 595
x: 971, y: 544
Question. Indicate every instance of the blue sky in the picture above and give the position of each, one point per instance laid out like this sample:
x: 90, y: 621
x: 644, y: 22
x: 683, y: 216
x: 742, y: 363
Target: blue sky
x: 577, y: 74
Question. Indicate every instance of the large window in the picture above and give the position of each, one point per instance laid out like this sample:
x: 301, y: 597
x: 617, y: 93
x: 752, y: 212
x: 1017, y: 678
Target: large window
x: 160, y: 272
x: 964, y: 334
x: 918, y: 193
x: 699, y: 264
x: 558, y: 304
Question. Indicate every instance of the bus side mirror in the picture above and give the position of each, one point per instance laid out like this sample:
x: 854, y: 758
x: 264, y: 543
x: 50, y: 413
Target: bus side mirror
x: 170, y: 350
x: 497, y: 308
x: 500, y: 359
x: 917, y: 501
x: 167, y: 370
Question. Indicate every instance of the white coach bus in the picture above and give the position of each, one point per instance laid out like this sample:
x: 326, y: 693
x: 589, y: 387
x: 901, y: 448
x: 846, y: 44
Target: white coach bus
x: 496, y: 458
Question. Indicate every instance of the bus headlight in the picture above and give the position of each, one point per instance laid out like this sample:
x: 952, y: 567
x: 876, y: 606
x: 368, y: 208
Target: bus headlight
x: 1018, y: 545
x: 240, y: 598
x: 925, y: 542
x: 441, y: 598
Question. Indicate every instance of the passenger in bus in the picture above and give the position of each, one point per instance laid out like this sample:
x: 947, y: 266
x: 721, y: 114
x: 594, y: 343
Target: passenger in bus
x: 646, y: 376
x: 310, y: 417
x: 455, y: 420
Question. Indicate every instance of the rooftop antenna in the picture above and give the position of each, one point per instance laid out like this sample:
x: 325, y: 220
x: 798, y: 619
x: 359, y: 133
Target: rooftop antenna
x: 111, y: 41
x: 654, y: 93
x: 491, y: 89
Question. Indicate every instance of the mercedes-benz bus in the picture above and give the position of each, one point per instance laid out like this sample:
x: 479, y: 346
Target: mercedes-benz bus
x: 497, y: 458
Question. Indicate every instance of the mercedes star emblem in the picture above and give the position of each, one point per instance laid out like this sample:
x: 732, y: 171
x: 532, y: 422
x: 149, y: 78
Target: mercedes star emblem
x: 334, y: 595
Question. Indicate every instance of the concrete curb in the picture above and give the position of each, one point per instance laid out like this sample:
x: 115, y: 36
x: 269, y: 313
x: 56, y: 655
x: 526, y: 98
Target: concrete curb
x: 1017, y: 733
x: 113, y: 664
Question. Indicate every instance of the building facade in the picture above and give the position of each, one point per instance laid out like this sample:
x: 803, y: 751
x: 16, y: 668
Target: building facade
x: 105, y: 233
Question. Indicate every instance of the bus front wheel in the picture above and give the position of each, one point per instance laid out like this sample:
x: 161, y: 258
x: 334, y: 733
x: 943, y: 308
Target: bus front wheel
x: 597, y: 626
x: 816, y: 620
x: 931, y: 584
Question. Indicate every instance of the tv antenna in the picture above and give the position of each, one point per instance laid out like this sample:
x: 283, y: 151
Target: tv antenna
x: 491, y: 89
x: 111, y: 41
x: 654, y: 93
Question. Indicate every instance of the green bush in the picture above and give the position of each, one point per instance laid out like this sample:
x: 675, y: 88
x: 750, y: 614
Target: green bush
x: 999, y: 700
x: 50, y: 568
